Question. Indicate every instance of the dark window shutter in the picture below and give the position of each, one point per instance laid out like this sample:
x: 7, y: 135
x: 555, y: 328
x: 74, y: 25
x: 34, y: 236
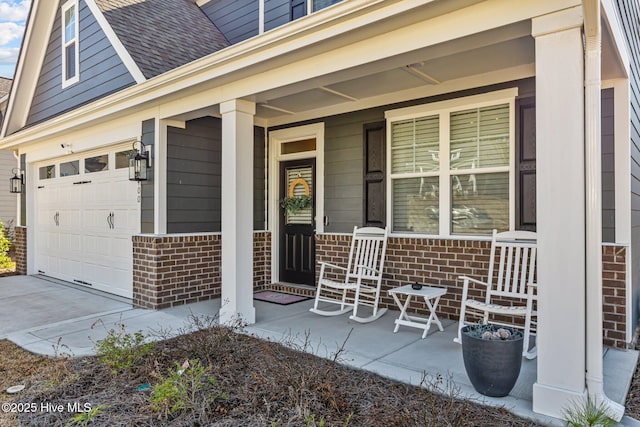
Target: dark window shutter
x: 526, y: 164
x: 374, y: 174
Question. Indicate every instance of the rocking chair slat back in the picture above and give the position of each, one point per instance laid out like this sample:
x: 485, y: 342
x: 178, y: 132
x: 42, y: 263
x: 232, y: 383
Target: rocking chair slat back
x: 515, y: 266
x: 368, y: 249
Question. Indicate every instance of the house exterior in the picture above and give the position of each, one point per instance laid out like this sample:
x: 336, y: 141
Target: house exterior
x: 8, y: 206
x: 438, y: 119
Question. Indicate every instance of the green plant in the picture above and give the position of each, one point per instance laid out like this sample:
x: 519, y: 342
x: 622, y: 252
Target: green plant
x: 588, y: 413
x: 188, y: 387
x: 492, y: 332
x: 294, y: 204
x: 120, y: 350
x: 84, y: 418
x: 311, y: 421
x: 5, y: 245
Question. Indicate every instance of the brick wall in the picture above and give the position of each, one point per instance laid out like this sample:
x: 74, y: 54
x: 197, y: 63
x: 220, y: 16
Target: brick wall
x: 261, y: 260
x: 614, y: 275
x: 172, y: 270
x: 20, y: 249
x: 439, y: 262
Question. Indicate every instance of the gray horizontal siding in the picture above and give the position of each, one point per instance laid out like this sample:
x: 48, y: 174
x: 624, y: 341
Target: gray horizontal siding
x: 344, y: 168
x: 237, y: 19
x: 147, y: 187
x: 101, y: 71
x: 8, y: 201
x: 259, y: 179
x: 193, y: 176
x: 276, y: 13
x: 608, y: 169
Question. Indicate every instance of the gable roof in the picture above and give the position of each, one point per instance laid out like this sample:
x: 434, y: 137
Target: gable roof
x: 161, y: 35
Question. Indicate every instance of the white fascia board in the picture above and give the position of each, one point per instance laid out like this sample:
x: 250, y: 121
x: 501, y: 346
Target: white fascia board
x: 335, y: 23
x: 35, y: 42
x: 122, y: 52
x: 610, y: 20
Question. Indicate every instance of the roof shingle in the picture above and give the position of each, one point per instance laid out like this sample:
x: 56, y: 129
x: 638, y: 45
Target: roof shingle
x: 161, y: 35
x: 5, y: 86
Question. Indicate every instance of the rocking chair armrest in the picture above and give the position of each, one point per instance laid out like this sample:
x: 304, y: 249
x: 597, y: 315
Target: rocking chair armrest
x: 328, y: 264
x: 471, y: 279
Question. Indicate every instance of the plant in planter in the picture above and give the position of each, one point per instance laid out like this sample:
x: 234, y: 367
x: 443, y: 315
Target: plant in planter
x: 492, y: 357
x: 293, y: 204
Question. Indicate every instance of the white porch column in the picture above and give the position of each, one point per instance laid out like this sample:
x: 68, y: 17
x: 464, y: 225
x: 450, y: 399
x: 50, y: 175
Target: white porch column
x: 160, y: 177
x: 237, y: 211
x: 561, y: 211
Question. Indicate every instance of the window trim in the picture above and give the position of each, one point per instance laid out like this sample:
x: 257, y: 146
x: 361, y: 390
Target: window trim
x: 65, y: 43
x: 443, y: 109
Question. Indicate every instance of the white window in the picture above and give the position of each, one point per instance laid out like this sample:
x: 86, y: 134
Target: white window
x: 70, y: 51
x: 451, y: 166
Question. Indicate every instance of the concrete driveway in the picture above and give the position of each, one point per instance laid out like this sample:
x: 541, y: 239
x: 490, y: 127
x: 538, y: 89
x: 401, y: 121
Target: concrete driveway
x: 46, y: 316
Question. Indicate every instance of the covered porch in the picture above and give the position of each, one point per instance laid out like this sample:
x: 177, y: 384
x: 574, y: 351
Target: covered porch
x: 404, y: 356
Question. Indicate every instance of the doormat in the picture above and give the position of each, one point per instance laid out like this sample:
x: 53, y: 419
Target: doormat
x: 278, y: 297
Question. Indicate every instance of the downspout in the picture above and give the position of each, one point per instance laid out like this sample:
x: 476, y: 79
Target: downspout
x: 594, y: 373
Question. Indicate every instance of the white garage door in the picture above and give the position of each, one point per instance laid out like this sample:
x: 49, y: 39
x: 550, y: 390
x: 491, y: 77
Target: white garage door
x: 87, y: 211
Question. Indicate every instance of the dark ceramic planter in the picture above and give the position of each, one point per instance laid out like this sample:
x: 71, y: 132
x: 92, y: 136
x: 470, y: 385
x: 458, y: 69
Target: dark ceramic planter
x: 493, y: 366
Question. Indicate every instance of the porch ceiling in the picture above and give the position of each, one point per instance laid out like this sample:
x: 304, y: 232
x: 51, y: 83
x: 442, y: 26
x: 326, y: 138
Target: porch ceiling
x: 505, y: 53
x: 416, y: 72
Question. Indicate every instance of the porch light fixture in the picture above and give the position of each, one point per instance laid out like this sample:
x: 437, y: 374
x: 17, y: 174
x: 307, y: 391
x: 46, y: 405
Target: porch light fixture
x: 16, y: 182
x: 139, y: 162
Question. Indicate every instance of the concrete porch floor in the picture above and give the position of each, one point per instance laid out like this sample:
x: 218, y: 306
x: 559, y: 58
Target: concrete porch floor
x: 39, y: 314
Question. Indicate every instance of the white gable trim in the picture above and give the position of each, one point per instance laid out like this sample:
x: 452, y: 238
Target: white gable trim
x: 122, y: 52
x: 36, y: 40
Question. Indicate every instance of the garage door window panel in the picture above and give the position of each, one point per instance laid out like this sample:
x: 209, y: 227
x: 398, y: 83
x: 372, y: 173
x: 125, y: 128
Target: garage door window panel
x: 70, y: 168
x: 47, y: 172
x: 96, y: 164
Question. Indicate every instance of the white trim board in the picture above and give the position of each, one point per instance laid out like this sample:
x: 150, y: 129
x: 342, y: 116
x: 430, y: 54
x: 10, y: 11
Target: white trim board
x: 276, y: 138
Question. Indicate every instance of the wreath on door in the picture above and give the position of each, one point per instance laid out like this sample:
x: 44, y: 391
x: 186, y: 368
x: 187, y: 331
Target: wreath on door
x: 292, y: 203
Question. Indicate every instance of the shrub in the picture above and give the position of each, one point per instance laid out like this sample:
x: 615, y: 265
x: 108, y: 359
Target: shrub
x: 5, y: 245
x: 190, y: 387
x: 121, y: 351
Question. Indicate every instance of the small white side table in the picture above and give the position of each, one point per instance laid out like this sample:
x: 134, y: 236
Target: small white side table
x: 428, y: 293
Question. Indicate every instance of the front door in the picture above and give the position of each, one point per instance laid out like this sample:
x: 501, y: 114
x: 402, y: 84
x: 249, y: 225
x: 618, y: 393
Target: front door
x: 297, y: 230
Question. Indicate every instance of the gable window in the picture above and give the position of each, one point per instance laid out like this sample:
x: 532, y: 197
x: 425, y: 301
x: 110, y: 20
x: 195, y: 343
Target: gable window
x: 451, y: 166
x: 70, y: 56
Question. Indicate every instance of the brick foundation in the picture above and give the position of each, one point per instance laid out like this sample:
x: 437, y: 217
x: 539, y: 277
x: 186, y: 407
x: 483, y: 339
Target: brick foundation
x: 439, y: 262
x: 20, y: 249
x: 614, y: 276
x: 172, y: 270
x: 261, y: 260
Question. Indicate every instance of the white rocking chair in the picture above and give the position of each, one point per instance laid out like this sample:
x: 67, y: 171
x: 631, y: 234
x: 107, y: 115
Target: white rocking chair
x: 362, y: 277
x: 510, y: 288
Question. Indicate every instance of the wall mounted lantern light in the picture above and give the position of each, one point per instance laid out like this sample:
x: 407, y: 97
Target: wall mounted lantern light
x: 139, y: 162
x: 16, y: 182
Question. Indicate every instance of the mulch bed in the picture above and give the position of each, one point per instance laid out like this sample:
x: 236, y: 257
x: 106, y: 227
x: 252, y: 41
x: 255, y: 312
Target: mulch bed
x: 258, y: 383
x: 632, y: 404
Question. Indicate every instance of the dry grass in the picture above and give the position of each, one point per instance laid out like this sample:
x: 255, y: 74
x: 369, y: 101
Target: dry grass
x: 264, y: 384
